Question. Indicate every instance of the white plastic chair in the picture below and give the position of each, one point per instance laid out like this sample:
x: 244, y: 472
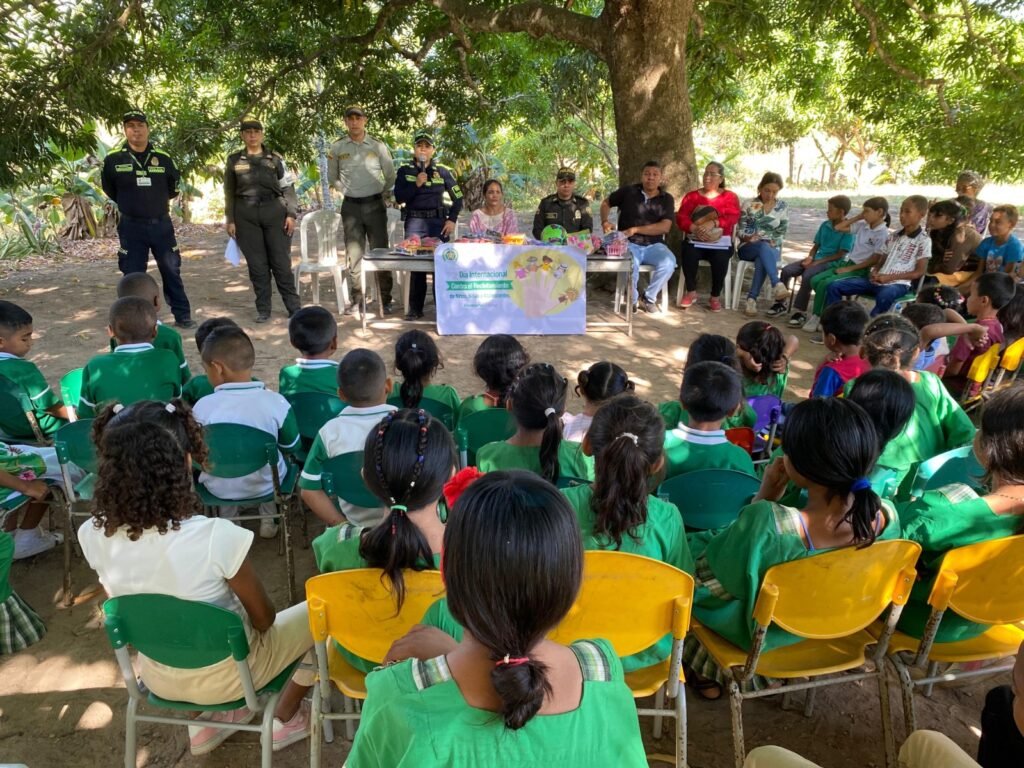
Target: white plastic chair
x: 703, y: 264
x: 325, y: 224
x: 740, y: 269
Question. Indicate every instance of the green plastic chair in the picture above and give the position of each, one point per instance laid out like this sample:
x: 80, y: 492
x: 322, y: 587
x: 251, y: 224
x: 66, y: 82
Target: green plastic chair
x: 186, y: 635
x: 440, y: 411
x: 312, y: 410
x: 236, y: 450
x: 17, y: 417
x: 479, y: 428
x: 341, y: 477
x: 71, y: 388
x: 73, y: 445
x: 956, y: 466
x: 709, y: 498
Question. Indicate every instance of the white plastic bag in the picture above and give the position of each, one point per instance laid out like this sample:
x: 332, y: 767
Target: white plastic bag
x: 232, y: 253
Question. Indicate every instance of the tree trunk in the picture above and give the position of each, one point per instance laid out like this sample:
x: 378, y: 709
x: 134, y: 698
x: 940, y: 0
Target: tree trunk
x: 792, y: 161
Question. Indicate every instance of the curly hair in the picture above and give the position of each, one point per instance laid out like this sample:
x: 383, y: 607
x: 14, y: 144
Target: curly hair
x: 143, y: 478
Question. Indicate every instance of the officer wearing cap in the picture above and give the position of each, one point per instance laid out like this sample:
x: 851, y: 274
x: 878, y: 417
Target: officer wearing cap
x: 421, y: 188
x: 142, y: 181
x: 564, y: 208
x: 260, y: 206
x: 360, y: 167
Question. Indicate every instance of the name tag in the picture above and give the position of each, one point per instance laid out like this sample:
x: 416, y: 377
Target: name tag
x: 144, y: 181
x: 242, y: 167
x: 123, y: 168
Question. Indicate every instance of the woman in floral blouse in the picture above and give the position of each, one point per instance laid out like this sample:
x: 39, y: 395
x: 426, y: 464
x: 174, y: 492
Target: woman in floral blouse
x: 763, y: 226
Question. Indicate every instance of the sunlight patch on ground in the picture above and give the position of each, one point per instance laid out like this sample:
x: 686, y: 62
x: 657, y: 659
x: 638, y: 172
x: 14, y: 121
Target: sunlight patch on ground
x: 97, y: 715
x: 38, y: 291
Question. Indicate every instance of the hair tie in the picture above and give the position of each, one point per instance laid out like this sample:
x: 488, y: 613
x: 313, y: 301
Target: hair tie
x: 629, y: 436
x: 512, y: 661
x: 860, y: 484
x: 118, y: 407
x: 550, y: 412
x: 170, y: 408
x: 401, y: 509
x: 414, y: 345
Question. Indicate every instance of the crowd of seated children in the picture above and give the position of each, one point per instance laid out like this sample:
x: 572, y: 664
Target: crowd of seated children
x: 142, y: 285
x: 364, y: 384
x: 497, y: 362
x: 228, y: 358
x: 842, y: 329
x: 989, y: 293
x: 418, y: 359
x: 953, y: 239
x: 199, y: 386
x: 764, y: 356
x: 15, y: 343
x: 313, y: 331
x: 595, y: 385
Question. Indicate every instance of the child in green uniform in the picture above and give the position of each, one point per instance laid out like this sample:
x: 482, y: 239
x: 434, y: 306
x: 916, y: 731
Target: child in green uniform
x: 498, y: 360
x: 15, y: 343
x: 313, y: 331
x: 537, y: 402
x: 142, y: 285
x: 597, y: 385
x: 710, y: 393
x: 955, y: 515
x: 617, y: 510
x: 513, y: 563
x: 406, y: 462
x: 830, y: 449
x: 199, y: 386
x: 417, y: 359
x: 135, y: 370
x: 889, y: 400
x: 764, y: 355
x: 20, y: 626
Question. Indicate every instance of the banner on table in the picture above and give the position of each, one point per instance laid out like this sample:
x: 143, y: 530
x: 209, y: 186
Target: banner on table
x: 485, y: 288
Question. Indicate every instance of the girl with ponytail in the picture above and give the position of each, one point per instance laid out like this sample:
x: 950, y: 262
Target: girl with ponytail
x: 513, y: 563
x: 596, y: 385
x: 418, y: 359
x: 537, y: 402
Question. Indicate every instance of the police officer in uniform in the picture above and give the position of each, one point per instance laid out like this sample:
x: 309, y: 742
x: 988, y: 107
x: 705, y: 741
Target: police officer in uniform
x: 421, y: 188
x: 142, y: 181
x: 261, y: 207
x: 564, y: 208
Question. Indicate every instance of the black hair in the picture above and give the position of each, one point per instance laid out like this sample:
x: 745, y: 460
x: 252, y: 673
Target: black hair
x: 603, y: 380
x: 887, y: 398
x: 1000, y: 447
x: 845, y: 320
x: 651, y: 164
x: 998, y: 287
x: 407, y: 459
x: 770, y: 178
x: 489, y: 182
x: 950, y: 208
x: 209, y: 326
x: 920, y: 314
x: 1011, y: 212
x: 721, y: 171
x: 842, y: 202
x: 833, y: 442
x: 13, y: 317
x: 943, y: 296
x: 312, y: 329
x: 765, y: 345
x: 1011, y: 317
x: 498, y: 360
x: 361, y: 376
x: 627, y: 438
x: 538, y: 402
x: 890, y: 341
x: 879, y: 204
x: 231, y: 347
x: 513, y: 563
x: 139, y: 284
x: 132, y: 320
x: 919, y: 202
x: 710, y: 391
x: 416, y: 358
x: 711, y: 347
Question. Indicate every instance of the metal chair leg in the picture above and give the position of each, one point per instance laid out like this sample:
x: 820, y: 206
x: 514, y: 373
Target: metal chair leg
x: 350, y: 723
x: 69, y: 524
x: 316, y: 726
x: 681, y: 728
x: 907, y: 693
x: 933, y: 670
x: 809, y: 701
x: 659, y: 703
x: 130, y: 732
x: 736, y: 708
x: 886, y: 712
x: 267, y: 735
x: 289, y: 555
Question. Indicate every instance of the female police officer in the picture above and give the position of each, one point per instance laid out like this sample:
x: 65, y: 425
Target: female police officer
x: 261, y: 206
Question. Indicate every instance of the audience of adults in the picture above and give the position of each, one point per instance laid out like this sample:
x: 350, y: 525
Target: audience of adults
x: 763, y: 225
x: 494, y: 215
x: 968, y: 186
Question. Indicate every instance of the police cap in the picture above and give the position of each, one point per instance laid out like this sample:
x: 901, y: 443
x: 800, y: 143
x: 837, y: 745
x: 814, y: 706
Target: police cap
x: 565, y: 174
x: 423, y: 136
x: 250, y: 122
x: 354, y: 109
x: 134, y: 114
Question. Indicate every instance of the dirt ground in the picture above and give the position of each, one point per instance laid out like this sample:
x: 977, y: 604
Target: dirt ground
x: 62, y: 701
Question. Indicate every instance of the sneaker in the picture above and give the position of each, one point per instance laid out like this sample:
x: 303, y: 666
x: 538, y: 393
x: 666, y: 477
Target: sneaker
x: 781, y: 292
x: 294, y: 730
x: 649, y: 306
x: 688, y: 300
x: 204, y: 739
x: 778, y: 308
x: 413, y: 314
x: 751, y: 308
x: 818, y: 338
x: 715, y: 304
x: 185, y: 323
x: 263, y: 317
x: 268, y: 528
x: 387, y: 309
x: 797, y: 320
x: 812, y: 324
x: 34, y: 541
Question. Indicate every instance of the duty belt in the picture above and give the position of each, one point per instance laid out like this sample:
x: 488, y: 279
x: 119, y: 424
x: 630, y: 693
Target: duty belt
x: 433, y: 213
x: 143, y: 219
x: 368, y: 199
x: 257, y: 198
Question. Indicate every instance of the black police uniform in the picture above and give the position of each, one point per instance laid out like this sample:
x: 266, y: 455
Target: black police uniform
x: 572, y: 214
x: 143, y: 184
x: 258, y: 196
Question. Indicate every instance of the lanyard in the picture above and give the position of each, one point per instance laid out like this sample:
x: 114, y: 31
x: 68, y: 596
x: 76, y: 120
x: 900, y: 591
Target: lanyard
x: 145, y: 160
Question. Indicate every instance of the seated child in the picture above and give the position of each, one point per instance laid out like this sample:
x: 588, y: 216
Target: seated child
x: 15, y: 343
x: 830, y: 450
x: 228, y: 357
x: 314, y: 332
x: 710, y: 392
x: 199, y: 386
x: 764, y: 356
x: 1011, y: 317
x: 842, y: 328
x: 135, y: 370
x: 709, y: 347
x: 148, y: 536
x: 497, y: 362
x: 706, y: 217
x: 537, y: 402
x: 989, y: 293
x: 21, y: 470
x: 596, y: 385
x: 1001, y: 251
x: 936, y: 326
x: 830, y: 247
x: 513, y: 564
x: 952, y: 237
x: 417, y: 359
x: 141, y: 284
x: 955, y: 515
x: 895, y: 271
x: 22, y: 626
x: 406, y: 468
x: 363, y: 383
x: 889, y: 400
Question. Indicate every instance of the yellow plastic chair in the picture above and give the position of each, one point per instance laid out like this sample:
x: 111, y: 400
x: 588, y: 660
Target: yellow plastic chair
x: 980, y: 373
x: 1009, y: 363
x: 829, y: 599
x: 984, y: 583
x: 659, y: 603
x: 357, y: 609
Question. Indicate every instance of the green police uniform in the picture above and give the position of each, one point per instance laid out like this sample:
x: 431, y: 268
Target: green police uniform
x: 130, y: 373
x: 27, y: 376
x: 572, y: 215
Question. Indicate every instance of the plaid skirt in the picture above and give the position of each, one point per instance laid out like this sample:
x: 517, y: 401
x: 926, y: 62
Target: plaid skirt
x: 20, y: 626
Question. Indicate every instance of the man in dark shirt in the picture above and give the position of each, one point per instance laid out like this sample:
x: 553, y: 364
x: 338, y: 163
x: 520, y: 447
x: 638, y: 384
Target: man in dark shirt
x: 142, y: 180
x: 645, y: 217
x: 564, y: 208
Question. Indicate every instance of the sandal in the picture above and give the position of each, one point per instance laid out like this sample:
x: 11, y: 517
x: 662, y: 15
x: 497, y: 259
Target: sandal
x: 706, y: 688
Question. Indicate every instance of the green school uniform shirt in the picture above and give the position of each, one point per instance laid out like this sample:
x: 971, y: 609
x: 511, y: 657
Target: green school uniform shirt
x: 776, y: 385
x: 674, y: 414
x: 501, y: 455
x: 940, y: 520
x: 690, y: 450
x: 169, y: 339
x: 309, y: 376
x: 415, y: 716
x: 26, y: 375
x: 443, y: 393
x: 198, y: 387
x: 130, y: 373
x: 21, y: 464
